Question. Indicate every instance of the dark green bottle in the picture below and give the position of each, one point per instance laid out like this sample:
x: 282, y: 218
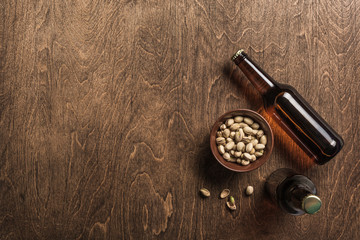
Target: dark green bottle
x: 294, y: 193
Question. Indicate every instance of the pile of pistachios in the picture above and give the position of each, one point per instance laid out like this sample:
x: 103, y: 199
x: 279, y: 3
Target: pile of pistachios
x: 241, y: 140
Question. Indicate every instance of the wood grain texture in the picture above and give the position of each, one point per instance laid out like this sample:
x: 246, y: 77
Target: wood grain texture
x: 106, y: 109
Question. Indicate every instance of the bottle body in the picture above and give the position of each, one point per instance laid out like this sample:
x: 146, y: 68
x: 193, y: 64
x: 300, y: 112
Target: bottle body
x: 294, y: 193
x: 294, y: 115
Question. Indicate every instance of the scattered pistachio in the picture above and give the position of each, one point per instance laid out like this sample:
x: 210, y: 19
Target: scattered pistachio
x: 231, y: 203
x: 204, y: 192
x: 249, y: 190
x: 224, y: 193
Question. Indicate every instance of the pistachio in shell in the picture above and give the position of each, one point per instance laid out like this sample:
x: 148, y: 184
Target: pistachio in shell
x: 231, y: 203
x: 204, y: 192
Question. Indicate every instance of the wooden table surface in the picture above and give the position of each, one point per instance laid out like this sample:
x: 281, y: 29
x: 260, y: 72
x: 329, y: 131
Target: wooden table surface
x: 106, y: 109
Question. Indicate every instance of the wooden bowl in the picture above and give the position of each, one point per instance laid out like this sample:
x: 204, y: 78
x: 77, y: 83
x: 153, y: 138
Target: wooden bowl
x: 264, y: 125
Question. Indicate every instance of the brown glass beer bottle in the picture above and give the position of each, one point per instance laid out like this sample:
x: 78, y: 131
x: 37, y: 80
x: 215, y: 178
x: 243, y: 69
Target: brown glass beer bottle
x: 298, y: 119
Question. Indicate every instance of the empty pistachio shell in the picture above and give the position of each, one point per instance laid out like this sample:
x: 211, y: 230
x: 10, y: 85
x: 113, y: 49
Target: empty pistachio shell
x: 231, y: 207
x: 222, y: 126
x: 249, y: 190
x: 226, y: 133
x: 229, y: 122
x: 238, y: 119
x: 204, y: 192
x: 220, y: 140
x: 263, y: 140
x: 248, y: 121
x: 259, y: 146
x: 221, y: 149
x: 224, y: 193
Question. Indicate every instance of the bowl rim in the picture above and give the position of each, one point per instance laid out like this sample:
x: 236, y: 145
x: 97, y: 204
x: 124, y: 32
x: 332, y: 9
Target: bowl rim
x: 235, y: 166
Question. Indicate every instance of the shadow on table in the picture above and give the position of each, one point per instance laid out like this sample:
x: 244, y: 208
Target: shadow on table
x: 209, y: 168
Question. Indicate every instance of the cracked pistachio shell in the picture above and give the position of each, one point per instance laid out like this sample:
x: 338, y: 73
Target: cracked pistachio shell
x: 224, y: 193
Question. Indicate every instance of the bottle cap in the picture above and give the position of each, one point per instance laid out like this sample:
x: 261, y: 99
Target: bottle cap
x: 237, y: 54
x: 311, y: 204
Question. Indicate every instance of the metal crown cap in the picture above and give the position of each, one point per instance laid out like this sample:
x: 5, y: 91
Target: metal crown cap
x: 311, y: 204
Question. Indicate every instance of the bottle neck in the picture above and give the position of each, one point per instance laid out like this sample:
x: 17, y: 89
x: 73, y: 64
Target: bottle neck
x: 303, y: 199
x: 258, y: 77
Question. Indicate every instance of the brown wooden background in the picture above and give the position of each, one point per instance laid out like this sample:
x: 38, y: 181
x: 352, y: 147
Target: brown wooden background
x: 106, y: 108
